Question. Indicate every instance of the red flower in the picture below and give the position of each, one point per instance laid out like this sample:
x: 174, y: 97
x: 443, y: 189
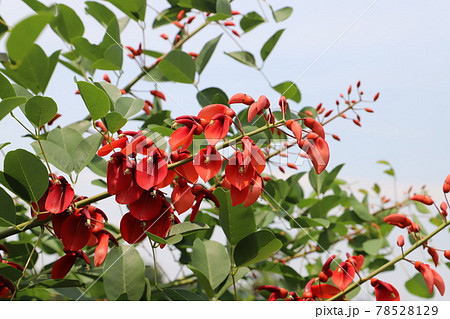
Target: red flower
x: 102, y: 246
x: 241, y: 98
x: 218, y: 128
x: 200, y: 193
x: 384, y: 291
x: 254, y: 190
x: 207, y: 163
x: 59, y: 197
x: 40, y: 205
x: 6, y: 287
x: 108, y: 148
x: 318, y: 151
x: 422, y: 199
x: 238, y: 172
x: 147, y: 206
x: 276, y: 292
x: 183, y: 136
x: 258, y: 107
x: 295, y: 128
x: 182, y: 197
x: 254, y: 154
x: 431, y: 277
x: 209, y: 111
x: 119, y: 175
x: 63, y: 265
x: 151, y: 170
x: 76, y: 230
x: 343, y: 275
x: 315, y: 126
x: 397, y: 220
x: 186, y: 170
x: 324, y: 291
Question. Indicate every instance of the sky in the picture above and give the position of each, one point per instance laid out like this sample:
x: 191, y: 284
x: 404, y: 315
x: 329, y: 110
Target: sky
x: 398, y: 48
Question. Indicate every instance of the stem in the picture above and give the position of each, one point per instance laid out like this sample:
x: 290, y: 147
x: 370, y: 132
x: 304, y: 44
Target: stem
x: 28, y: 261
x: 389, y: 264
x: 155, y: 269
x: 145, y: 70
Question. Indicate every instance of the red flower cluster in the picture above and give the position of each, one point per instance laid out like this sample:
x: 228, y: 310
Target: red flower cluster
x: 342, y: 276
x: 75, y: 227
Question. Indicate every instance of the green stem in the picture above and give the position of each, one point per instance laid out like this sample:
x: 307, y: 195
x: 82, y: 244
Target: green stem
x: 28, y: 262
x: 390, y: 263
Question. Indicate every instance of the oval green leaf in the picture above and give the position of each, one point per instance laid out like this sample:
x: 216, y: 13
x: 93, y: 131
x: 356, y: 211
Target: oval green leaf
x: 23, y: 35
x: 270, y: 44
x: 40, y: 110
x: 25, y: 175
x: 211, y: 259
x: 95, y: 99
x: 178, y: 66
x: 8, y: 211
x: 9, y: 104
x: 67, y: 23
x: 289, y: 90
x: 205, y: 54
x: 250, y: 21
x: 244, y: 57
x: 256, y: 247
x: 282, y: 14
x: 124, y: 273
x: 114, y: 121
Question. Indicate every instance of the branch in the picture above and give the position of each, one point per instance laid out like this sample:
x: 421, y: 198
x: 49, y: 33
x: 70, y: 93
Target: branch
x: 145, y: 70
x: 389, y: 264
x: 36, y: 222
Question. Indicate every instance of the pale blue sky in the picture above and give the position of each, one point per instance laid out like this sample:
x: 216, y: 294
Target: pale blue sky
x: 399, y: 48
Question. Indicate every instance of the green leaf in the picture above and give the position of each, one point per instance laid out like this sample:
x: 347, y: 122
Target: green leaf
x: 372, y: 246
x: 85, y: 152
x: 10, y: 272
x: 39, y: 110
x: 8, y: 211
x: 205, y: 54
x: 250, y: 21
x: 289, y: 90
x: 114, y: 121
x: 178, y: 66
x: 270, y: 44
x: 9, y: 104
x: 361, y: 210
x: 25, y: 175
x: 223, y: 7
x: 2, y: 145
x: 113, y: 92
x: 421, y: 208
x: 32, y: 72
x: 240, y: 273
x: 23, y: 35
x: 212, y: 95
x: 237, y: 221
x: 282, y: 14
x: 186, y: 228
x: 244, y: 57
x: 204, y: 282
x: 98, y: 165
x: 128, y: 106
x: 84, y: 48
x: 95, y: 99
x: 278, y: 268
x: 135, y: 9
x: 156, y: 239
x: 256, y: 247
x: 211, y: 259
x: 417, y: 286
x: 36, y: 5
x: 329, y: 178
x: 309, y: 222
x: 101, y: 13
x: 112, y: 59
x: 124, y: 273
x: 182, y: 295
x: 323, y: 206
x: 67, y: 23
x: 6, y: 89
